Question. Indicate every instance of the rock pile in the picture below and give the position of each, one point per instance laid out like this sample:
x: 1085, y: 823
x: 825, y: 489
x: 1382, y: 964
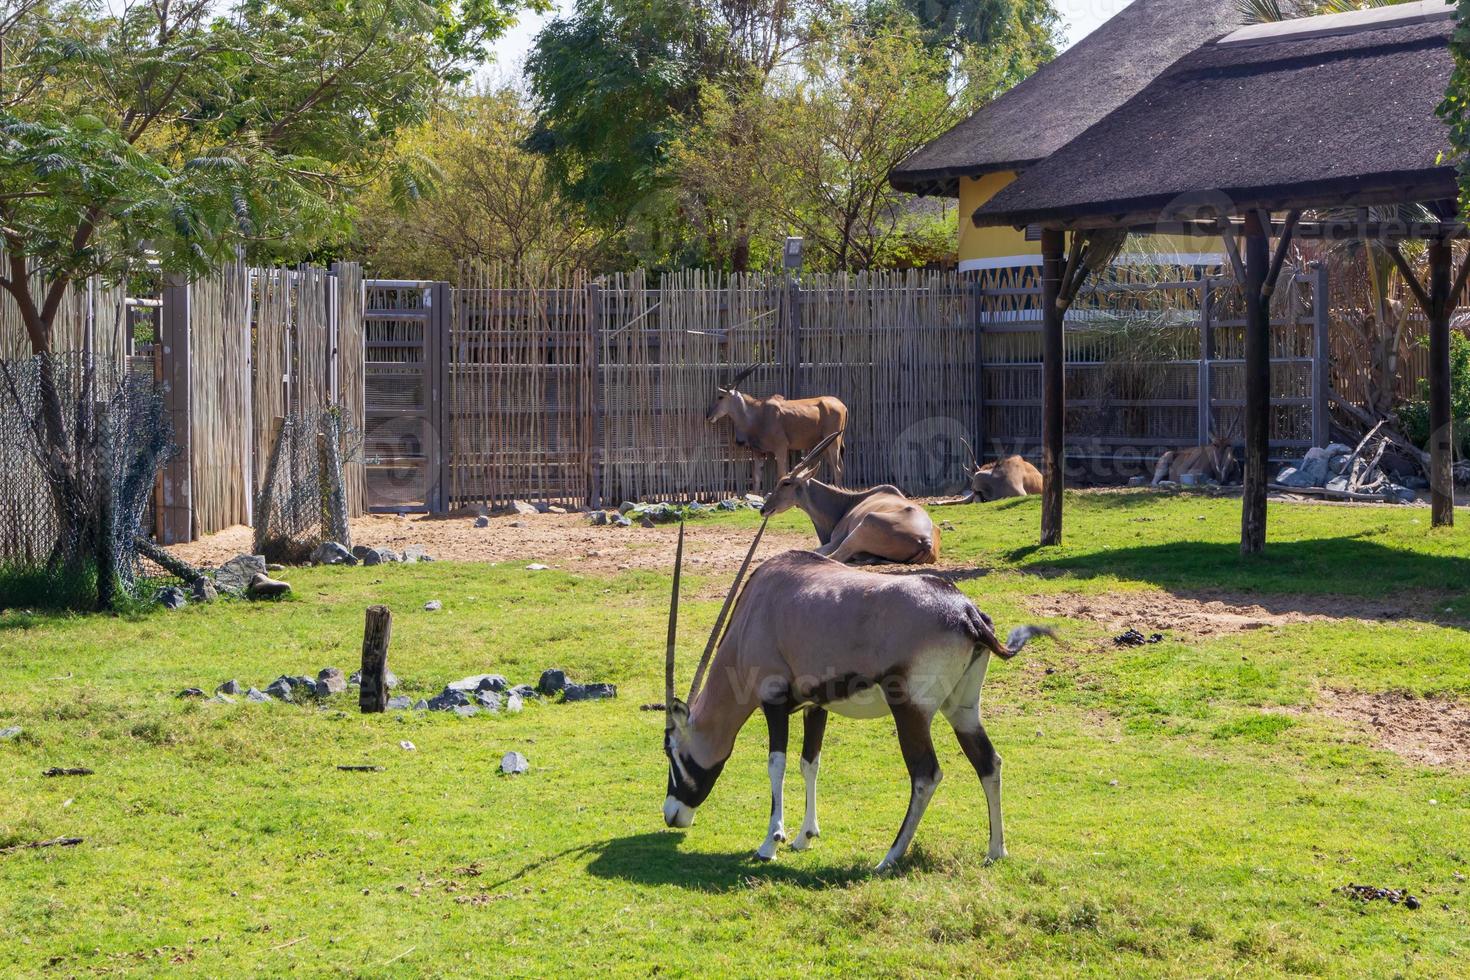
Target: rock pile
x: 651, y: 515
x: 1352, y: 473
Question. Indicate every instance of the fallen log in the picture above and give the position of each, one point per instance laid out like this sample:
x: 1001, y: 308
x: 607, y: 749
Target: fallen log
x: 54, y: 842
x: 1367, y: 498
x: 172, y: 564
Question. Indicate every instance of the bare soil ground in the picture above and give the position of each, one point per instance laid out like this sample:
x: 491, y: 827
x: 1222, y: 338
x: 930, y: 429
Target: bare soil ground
x: 564, y: 541
x: 1200, y: 617
x: 1429, y: 731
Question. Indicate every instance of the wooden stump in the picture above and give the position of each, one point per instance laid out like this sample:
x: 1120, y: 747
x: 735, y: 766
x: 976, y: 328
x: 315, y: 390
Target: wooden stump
x: 372, y: 695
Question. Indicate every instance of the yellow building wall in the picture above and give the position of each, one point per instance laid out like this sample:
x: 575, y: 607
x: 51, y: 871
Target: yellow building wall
x: 995, y: 248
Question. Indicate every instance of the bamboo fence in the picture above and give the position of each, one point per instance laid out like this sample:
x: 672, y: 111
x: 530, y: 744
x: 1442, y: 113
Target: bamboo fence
x: 220, y: 431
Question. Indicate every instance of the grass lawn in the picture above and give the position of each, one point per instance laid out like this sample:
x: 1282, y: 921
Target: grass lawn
x: 1170, y: 809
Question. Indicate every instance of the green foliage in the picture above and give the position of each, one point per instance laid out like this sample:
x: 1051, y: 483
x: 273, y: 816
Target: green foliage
x: 186, y: 131
x: 1455, y: 110
x: 1414, y: 415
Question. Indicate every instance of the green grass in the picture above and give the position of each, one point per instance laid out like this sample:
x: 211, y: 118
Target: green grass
x: 1164, y: 815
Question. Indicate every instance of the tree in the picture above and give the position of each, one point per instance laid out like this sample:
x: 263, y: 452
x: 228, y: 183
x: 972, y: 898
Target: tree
x: 477, y: 193
x: 176, y: 132
x: 867, y: 96
x: 1456, y: 107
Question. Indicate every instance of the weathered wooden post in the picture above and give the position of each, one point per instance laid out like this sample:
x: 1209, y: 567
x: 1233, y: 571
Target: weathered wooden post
x: 372, y: 693
x: 1257, y: 385
x: 1441, y: 423
x: 1053, y: 385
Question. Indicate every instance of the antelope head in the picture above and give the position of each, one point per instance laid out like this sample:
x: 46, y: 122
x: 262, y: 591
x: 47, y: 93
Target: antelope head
x: 1222, y: 459
x: 726, y: 394
x: 792, y: 490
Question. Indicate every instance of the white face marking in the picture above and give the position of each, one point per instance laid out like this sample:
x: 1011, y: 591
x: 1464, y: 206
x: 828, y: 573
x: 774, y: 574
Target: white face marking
x: 676, y: 814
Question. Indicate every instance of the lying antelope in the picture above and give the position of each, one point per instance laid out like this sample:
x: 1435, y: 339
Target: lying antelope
x: 1003, y: 479
x: 777, y: 427
x: 810, y: 633
x: 1215, y: 461
x: 861, y: 526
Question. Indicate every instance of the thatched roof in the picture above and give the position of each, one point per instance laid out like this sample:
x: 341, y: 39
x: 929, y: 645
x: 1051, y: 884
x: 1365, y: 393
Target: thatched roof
x: 1319, y: 112
x: 1064, y: 97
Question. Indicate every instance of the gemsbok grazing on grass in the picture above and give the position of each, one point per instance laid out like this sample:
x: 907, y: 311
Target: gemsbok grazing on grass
x: 1215, y: 461
x: 857, y: 526
x: 811, y: 634
x: 1003, y: 479
x: 777, y: 427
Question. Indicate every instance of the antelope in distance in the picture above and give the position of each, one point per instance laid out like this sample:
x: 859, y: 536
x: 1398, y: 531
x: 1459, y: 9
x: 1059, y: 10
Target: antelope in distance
x: 811, y: 634
x: 1003, y: 479
x: 1215, y: 461
x: 857, y: 526
x: 776, y: 426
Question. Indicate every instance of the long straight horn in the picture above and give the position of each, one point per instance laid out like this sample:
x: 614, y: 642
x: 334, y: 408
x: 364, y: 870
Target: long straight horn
x: 742, y: 375
x: 714, y: 634
x: 673, y: 627
x: 815, y: 456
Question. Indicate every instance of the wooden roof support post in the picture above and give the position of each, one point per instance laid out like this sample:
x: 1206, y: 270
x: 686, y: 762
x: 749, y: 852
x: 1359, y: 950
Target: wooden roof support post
x: 1257, y: 385
x: 1441, y: 422
x: 1053, y: 384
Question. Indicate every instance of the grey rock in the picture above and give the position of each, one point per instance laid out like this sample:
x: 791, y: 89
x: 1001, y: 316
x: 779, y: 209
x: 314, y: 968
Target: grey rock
x: 754, y: 501
x: 479, y: 682
x: 330, y: 680
x: 626, y: 507
x: 203, y: 590
x: 524, y: 509
x: 513, y: 703
x: 589, y: 692
x: 552, y: 680
x: 1416, y: 483
x: 433, y: 605
x: 488, y: 700
x: 598, y: 518
x: 356, y: 678
x: 235, y: 575
x: 482, y: 521
x: 554, y: 509
x: 223, y: 699
x: 729, y: 504
x: 421, y: 705
x: 525, y: 691
x: 377, y: 556
x: 228, y: 687
x: 265, y: 587
x: 274, y: 567
x: 172, y: 597
x: 620, y: 520
x: 1138, y: 481
x: 536, y: 566
x: 1338, y: 449
x: 466, y: 710
x: 514, y: 764
x: 416, y: 553
x: 280, y: 689
x: 255, y: 696
x: 401, y: 702
x: 332, y: 553
x: 1311, y: 473
x: 191, y: 692
x: 6, y: 734
x: 1338, y: 483
x: 447, y: 699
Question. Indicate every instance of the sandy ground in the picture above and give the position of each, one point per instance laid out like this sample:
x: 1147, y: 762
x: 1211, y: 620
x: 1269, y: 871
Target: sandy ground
x: 1429, y: 731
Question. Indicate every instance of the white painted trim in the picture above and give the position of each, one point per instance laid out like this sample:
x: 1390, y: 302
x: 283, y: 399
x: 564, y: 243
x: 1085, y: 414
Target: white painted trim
x: 1005, y: 262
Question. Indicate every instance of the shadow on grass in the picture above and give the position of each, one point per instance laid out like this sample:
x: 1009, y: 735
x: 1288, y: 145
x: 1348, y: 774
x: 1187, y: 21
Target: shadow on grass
x: 657, y: 859
x: 1350, y: 565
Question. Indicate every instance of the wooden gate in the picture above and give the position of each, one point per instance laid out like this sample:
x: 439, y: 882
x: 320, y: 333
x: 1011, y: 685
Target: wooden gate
x: 406, y: 417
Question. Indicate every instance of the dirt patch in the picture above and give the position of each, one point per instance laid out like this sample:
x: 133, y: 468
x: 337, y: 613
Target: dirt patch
x: 565, y: 541
x: 1429, y: 731
x: 1207, y: 616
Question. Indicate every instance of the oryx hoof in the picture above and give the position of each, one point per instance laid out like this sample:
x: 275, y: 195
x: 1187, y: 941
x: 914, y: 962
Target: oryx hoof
x: 804, y: 839
x: 994, y: 856
x: 765, y: 858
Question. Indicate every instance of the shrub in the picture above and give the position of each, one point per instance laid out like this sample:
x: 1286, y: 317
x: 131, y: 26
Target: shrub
x: 1414, y: 414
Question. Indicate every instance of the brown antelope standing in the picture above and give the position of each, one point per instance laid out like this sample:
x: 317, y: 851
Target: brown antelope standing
x: 1012, y: 476
x: 860, y: 526
x: 812, y: 634
x: 1215, y: 461
x: 777, y: 427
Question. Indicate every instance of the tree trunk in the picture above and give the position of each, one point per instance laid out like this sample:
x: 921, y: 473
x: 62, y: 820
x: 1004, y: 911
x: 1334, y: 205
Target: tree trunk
x: 1257, y: 387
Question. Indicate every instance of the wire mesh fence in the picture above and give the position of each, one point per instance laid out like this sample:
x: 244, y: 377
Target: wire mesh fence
x: 81, y: 445
x: 303, y: 498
